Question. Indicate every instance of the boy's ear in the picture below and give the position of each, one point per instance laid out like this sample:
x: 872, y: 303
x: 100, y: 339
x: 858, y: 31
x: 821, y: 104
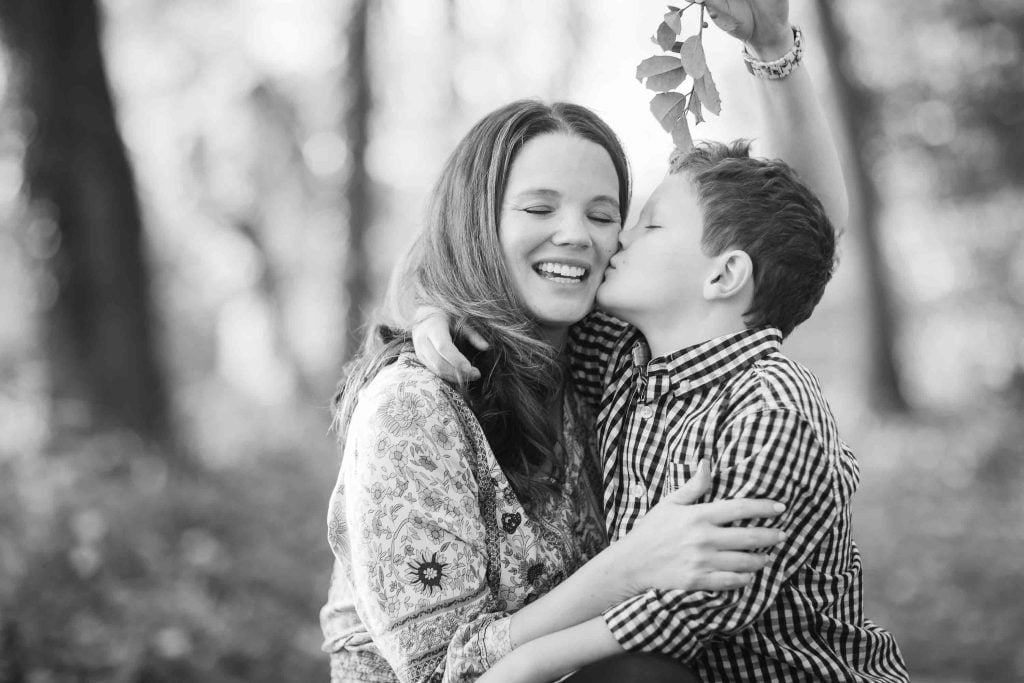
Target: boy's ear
x: 731, y: 274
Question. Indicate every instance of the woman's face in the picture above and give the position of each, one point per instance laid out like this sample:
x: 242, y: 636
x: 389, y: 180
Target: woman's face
x: 559, y: 225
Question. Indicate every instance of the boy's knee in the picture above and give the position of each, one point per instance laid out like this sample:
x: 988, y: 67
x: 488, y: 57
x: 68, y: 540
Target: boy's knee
x: 635, y: 667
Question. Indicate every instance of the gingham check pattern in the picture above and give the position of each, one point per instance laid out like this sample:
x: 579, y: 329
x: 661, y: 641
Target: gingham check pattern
x: 764, y: 427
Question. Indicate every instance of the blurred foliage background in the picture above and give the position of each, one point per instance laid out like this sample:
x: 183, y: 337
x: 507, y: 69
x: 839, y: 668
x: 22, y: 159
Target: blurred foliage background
x: 200, y: 202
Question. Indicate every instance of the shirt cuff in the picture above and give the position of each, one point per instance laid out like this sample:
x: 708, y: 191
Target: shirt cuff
x: 646, y: 624
x: 496, y: 641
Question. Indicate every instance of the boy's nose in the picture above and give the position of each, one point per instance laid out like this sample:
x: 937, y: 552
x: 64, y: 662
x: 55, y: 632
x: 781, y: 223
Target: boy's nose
x: 626, y: 237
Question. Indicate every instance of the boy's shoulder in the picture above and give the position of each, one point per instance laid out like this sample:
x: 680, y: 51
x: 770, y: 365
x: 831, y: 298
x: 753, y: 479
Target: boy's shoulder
x: 776, y: 382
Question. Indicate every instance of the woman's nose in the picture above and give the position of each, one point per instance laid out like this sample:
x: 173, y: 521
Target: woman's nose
x: 572, y: 231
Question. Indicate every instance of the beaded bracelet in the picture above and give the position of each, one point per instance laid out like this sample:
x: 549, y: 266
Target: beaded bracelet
x: 781, y: 67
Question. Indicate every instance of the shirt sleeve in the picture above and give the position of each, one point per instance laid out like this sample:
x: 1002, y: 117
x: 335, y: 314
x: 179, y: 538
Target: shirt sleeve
x: 771, y: 454
x: 416, y: 539
x: 593, y: 343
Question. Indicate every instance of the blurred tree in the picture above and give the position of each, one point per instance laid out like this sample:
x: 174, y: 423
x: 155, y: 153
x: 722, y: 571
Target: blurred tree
x: 859, y: 119
x: 963, y: 105
x: 357, y: 188
x: 99, y: 337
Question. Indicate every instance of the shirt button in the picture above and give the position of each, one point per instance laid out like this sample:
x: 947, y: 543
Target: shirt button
x: 646, y: 412
x: 684, y: 385
x: 637, y: 490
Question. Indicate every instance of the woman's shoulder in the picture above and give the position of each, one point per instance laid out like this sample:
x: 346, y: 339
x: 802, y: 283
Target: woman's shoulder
x: 404, y: 378
x: 406, y: 400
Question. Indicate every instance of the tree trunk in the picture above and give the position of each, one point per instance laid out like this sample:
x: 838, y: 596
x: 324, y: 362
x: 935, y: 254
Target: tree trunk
x: 858, y: 118
x: 357, y: 190
x: 99, y: 333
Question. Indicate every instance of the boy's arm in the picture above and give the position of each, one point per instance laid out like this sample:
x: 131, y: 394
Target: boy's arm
x: 796, y: 129
x: 592, y: 344
x: 771, y: 454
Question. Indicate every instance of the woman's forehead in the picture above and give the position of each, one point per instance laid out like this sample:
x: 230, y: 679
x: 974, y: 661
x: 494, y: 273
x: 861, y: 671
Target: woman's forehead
x: 561, y: 162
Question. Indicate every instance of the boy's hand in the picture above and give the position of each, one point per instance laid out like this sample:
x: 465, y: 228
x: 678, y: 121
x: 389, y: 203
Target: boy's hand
x: 762, y: 24
x: 432, y: 340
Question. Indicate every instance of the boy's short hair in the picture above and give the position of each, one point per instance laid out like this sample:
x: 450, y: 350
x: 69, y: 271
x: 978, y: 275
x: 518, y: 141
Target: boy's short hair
x: 760, y: 207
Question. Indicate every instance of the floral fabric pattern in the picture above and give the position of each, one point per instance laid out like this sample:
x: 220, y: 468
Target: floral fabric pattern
x: 433, y: 549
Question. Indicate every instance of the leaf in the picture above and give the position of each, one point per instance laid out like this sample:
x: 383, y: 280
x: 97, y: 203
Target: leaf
x: 665, y: 36
x: 673, y: 8
x: 668, y: 108
x: 673, y: 20
x: 694, y: 107
x: 652, y: 66
x: 666, y: 81
x: 675, y: 47
x: 691, y: 54
x: 708, y: 91
x: 662, y: 72
x: 681, y: 134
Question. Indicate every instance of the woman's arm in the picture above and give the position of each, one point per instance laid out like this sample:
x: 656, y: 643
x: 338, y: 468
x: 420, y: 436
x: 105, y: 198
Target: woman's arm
x: 553, y: 656
x: 676, y: 544
x: 411, y: 529
x: 795, y: 127
x: 406, y: 520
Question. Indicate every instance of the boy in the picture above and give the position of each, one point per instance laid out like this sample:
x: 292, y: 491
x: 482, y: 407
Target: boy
x: 729, y: 255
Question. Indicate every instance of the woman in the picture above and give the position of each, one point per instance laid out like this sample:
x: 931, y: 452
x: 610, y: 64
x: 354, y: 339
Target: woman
x: 465, y: 523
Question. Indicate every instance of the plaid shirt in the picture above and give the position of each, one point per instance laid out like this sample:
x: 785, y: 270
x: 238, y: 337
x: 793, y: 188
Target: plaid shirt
x: 766, y: 431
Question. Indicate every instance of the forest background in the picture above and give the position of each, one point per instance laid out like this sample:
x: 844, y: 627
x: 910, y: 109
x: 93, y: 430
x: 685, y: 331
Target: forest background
x: 200, y: 203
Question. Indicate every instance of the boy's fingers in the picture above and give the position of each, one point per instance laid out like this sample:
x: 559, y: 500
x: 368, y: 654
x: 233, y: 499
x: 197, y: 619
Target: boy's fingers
x: 745, y: 538
x: 726, y: 511
x: 475, y: 338
x: 437, y: 363
x: 454, y: 358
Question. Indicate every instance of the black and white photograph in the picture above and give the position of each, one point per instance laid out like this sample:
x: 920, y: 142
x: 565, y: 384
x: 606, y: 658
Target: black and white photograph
x: 511, y: 341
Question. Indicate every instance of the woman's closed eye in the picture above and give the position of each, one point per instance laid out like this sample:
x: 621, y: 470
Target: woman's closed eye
x: 539, y: 210
x: 604, y: 218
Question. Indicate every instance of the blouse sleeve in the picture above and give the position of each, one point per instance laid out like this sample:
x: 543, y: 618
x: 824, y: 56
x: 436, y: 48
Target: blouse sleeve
x: 416, y: 538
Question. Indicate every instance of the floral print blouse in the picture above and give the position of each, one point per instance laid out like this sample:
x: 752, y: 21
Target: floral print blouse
x: 433, y: 551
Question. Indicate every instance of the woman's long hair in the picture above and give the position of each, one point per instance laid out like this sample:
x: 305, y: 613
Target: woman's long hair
x: 458, y: 266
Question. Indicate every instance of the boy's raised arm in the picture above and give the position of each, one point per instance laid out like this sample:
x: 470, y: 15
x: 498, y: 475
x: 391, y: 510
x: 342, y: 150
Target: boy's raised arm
x: 795, y: 127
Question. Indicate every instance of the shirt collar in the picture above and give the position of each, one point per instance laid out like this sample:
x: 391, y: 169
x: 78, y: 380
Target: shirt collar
x: 705, y: 363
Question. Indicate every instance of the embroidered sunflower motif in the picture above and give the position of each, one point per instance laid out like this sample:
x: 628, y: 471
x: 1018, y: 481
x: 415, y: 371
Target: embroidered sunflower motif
x: 428, y: 574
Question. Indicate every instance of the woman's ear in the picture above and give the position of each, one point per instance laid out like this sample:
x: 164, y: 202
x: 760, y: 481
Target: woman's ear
x: 731, y: 274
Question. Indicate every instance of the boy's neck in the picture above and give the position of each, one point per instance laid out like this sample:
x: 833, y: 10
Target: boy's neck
x: 668, y: 336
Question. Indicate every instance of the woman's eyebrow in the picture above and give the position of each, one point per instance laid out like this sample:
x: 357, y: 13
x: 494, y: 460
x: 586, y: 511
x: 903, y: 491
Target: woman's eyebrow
x: 538, y: 192
x: 606, y: 198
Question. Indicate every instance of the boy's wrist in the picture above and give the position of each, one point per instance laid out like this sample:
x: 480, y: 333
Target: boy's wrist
x: 771, y: 47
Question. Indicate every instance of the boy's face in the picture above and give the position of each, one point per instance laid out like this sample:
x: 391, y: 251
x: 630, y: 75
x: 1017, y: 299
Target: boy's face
x: 658, y: 272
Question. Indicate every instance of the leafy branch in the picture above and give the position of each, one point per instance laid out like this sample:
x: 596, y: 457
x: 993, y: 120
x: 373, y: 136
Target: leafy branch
x: 666, y: 73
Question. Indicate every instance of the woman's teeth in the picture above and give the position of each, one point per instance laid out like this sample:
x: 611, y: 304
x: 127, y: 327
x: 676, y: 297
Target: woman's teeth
x: 561, y: 272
